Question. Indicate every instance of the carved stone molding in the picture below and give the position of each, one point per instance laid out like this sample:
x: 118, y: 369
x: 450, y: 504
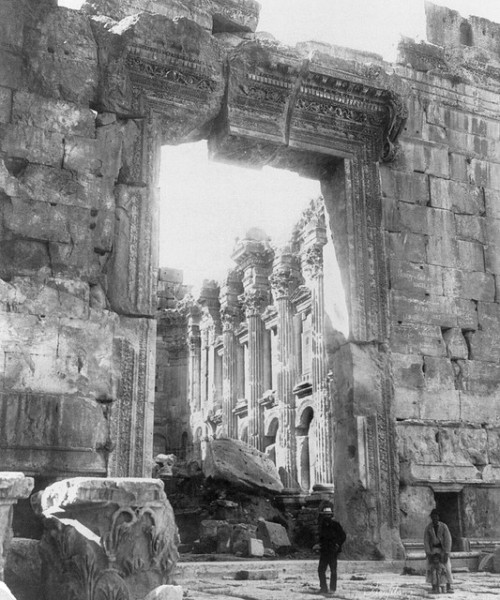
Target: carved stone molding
x: 312, y: 261
x: 106, y: 539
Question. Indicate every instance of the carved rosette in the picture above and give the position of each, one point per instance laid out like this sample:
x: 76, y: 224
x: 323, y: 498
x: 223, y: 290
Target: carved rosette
x: 254, y: 302
x: 97, y: 546
x: 312, y: 261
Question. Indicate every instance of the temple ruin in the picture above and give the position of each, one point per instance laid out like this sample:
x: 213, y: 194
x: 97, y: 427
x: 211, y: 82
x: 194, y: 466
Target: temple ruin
x: 409, y: 163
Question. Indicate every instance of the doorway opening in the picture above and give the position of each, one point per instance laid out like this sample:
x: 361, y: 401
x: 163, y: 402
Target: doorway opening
x: 449, y: 505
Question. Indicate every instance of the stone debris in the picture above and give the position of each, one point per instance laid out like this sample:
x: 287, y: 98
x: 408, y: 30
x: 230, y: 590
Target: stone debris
x: 261, y: 575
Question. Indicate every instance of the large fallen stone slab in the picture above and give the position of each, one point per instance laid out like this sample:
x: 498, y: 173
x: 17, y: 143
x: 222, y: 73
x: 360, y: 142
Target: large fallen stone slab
x: 241, y: 465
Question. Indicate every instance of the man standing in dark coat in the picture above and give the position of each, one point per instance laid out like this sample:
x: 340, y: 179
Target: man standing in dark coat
x: 331, y: 538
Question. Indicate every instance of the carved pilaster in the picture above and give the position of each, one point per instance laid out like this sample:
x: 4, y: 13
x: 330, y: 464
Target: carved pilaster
x: 106, y: 539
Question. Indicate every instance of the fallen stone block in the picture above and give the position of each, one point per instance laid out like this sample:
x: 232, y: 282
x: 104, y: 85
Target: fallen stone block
x: 273, y: 535
x: 486, y: 564
x: 255, y: 547
x: 263, y: 575
x: 166, y: 592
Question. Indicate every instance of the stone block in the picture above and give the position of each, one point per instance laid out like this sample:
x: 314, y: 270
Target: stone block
x: 407, y: 246
x: 33, y: 144
x: 471, y: 228
x: 236, y: 462
x: 255, y: 547
x: 484, y: 346
x: 235, y: 15
x: 438, y: 373
x: 83, y: 155
x: 46, y: 222
x: 5, y: 104
x: 492, y: 248
x: 195, y: 10
x: 406, y: 403
x: 5, y: 593
x: 52, y: 297
x: 489, y: 316
x: 273, y: 535
x: 442, y: 244
x: 60, y: 186
x: 441, y: 405
x: 166, y: 592
x: 426, y: 157
x: 417, y: 338
x: 466, y: 311
x: 492, y: 203
x: 427, y: 309
x: 12, y: 69
x: 470, y: 285
x: 479, y: 377
x: 456, y: 196
x: 257, y: 575
x: 390, y: 214
x: 405, y: 186
x: 33, y: 110
x: 414, y: 218
x: 470, y: 256
x: 23, y: 257
x: 415, y: 278
x: 463, y: 445
x: 407, y: 370
x: 62, y: 57
x: 456, y: 345
x: 418, y: 443
x: 479, y: 408
x: 459, y: 168
x: 12, y: 22
x: 493, y: 435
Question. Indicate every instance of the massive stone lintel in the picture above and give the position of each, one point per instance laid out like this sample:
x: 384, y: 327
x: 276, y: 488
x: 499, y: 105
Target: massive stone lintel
x: 13, y: 487
x: 106, y: 538
x: 288, y: 110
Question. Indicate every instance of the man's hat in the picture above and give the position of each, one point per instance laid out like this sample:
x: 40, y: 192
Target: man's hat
x: 327, y: 511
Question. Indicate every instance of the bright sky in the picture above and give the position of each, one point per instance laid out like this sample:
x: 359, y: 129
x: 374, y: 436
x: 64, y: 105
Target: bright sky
x: 205, y: 206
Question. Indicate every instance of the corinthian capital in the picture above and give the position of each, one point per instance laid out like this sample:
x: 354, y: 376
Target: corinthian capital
x: 254, y: 301
x: 312, y: 261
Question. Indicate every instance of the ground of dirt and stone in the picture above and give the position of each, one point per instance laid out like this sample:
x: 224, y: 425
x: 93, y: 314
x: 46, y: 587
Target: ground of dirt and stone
x: 297, y: 579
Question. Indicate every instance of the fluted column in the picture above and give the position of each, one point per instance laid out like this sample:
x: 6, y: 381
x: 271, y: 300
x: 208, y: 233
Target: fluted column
x: 312, y: 266
x: 254, y: 302
x: 254, y: 255
x: 194, y: 359
x: 230, y: 313
x: 284, y: 279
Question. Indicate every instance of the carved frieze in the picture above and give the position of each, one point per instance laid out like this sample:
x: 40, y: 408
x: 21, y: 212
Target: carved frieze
x: 327, y: 106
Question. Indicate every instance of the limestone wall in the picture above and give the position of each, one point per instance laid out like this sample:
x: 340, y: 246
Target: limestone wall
x: 441, y: 205
x: 71, y: 368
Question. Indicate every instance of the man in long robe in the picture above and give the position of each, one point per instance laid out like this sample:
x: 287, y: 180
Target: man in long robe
x: 437, y: 538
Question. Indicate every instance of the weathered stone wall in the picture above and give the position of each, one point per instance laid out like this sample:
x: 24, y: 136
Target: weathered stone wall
x: 441, y: 201
x: 75, y: 374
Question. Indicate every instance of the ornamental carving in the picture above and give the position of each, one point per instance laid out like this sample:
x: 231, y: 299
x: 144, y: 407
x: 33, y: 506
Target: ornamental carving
x: 254, y: 302
x: 312, y: 261
x: 101, y: 554
x: 283, y: 282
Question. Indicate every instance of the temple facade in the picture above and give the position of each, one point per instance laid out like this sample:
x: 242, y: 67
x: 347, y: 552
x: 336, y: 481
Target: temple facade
x: 250, y: 359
